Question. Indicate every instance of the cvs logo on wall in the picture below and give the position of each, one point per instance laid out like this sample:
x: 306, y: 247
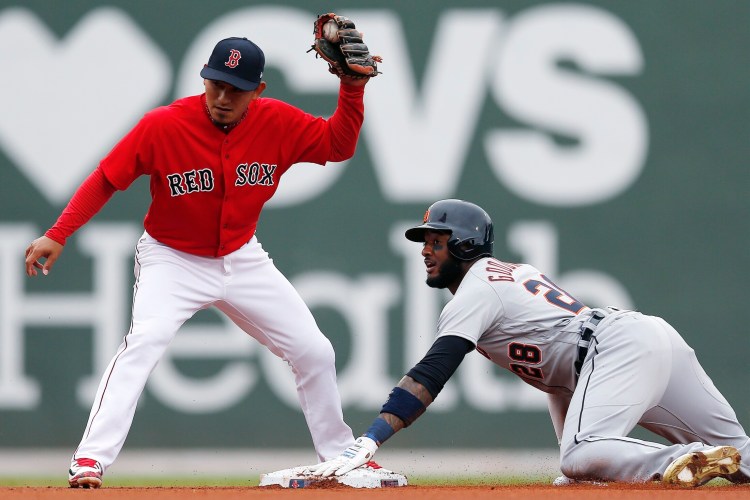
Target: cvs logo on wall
x: 545, y: 69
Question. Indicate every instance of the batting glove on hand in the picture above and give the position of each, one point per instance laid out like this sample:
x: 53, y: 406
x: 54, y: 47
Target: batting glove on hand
x: 356, y: 455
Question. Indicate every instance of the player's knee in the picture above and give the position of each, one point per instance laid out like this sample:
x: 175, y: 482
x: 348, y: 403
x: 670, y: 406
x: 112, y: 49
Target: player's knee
x: 577, y: 471
x: 152, y: 331
x: 317, y: 353
x: 571, y: 465
x: 585, y: 460
x: 570, y: 470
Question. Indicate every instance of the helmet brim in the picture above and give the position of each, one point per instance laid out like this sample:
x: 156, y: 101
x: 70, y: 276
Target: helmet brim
x: 417, y: 233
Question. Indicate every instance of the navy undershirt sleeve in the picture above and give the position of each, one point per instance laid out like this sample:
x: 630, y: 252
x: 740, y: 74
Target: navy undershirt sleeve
x: 440, y: 362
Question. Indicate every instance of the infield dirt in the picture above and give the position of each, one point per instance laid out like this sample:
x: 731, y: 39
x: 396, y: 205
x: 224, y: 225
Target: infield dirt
x: 530, y: 492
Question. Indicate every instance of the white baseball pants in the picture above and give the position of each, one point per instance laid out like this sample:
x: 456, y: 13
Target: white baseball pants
x: 170, y: 287
x: 640, y: 371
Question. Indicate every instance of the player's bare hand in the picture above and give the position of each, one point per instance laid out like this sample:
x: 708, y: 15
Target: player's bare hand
x: 355, y: 456
x: 42, y: 248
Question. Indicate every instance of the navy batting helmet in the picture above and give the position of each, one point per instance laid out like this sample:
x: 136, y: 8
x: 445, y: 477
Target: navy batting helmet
x: 470, y: 227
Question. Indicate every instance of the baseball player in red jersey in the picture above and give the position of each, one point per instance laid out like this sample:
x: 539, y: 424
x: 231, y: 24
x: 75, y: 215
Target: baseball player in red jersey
x: 213, y: 161
x: 605, y: 370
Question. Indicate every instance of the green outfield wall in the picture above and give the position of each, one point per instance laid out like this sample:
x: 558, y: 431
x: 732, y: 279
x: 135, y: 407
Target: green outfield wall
x: 607, y: 139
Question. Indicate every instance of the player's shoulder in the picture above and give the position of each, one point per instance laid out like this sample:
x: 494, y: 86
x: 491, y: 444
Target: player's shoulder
x: 492, y: 270
x: 180, y: 107
x: 476, y: 282
x: 491, y: 280
x: 270, y: 105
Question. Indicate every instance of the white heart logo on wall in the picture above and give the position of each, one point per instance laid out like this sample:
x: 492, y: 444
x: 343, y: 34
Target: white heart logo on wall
x: 77, y: 95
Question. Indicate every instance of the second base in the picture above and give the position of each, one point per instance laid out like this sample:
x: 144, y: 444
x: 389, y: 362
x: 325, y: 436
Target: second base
x: 367, y: 476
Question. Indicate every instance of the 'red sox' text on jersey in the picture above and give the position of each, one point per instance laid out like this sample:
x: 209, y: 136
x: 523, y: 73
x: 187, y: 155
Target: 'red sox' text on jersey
x: 208, y: 187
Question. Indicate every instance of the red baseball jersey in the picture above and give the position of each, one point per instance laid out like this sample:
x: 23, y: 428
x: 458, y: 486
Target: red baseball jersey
x: 209, y: 186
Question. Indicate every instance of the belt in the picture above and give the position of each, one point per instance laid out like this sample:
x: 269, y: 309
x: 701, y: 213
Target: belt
x: 587, y: 330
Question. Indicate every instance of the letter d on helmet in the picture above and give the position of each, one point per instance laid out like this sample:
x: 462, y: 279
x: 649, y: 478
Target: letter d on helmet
x: 470, y: 228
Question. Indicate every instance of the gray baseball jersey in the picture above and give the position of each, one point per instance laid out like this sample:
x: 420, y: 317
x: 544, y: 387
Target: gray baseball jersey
x: 638, y: 370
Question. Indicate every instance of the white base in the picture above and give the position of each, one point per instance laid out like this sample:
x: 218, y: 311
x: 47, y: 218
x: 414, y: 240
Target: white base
x: 362, y: 477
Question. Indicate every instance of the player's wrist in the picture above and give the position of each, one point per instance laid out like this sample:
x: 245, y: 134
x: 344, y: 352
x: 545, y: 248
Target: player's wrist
x: 353, y: 82
x: 379, y: 431
x: 352, y: 87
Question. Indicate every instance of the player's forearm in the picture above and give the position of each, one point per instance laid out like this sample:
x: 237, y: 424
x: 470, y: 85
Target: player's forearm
x: 407, y: 401
x: 416, y: 389
x: 419, y: 387
x: 346, y: 122
x: 88, y: 199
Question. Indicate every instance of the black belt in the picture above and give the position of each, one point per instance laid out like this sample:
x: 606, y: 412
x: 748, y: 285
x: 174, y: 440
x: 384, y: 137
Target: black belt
x: 587, y: 330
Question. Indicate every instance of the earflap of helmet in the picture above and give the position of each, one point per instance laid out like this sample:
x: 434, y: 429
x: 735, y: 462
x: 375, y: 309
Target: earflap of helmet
x: 470, y: 248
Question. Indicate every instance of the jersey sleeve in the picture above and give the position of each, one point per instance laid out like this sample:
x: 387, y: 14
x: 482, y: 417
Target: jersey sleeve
x: 440, y: 363
x: 317, y: 140
x: 88, y: 199
x: 471, y: 312
x: 131, y: 156
x: 558, y: 408
x: 346, y: 122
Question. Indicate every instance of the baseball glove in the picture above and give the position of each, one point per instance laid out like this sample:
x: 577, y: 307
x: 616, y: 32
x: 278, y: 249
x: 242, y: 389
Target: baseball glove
x: 340, y: 44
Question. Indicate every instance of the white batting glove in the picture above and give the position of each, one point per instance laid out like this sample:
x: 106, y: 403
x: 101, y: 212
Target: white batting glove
x: 356, y: 455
